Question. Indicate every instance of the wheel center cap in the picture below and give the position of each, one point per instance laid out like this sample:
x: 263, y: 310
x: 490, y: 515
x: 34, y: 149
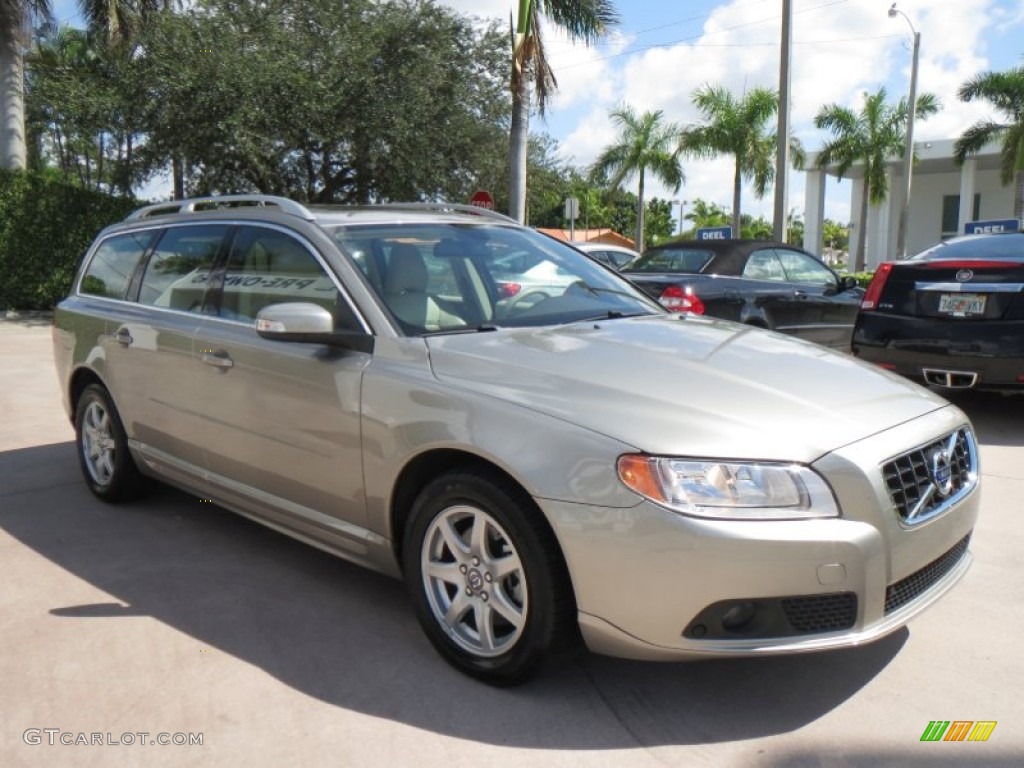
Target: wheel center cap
x: 474, y: 580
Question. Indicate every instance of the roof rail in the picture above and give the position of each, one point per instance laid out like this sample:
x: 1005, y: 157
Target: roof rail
x: 458, y: 207
x: 198, y: 204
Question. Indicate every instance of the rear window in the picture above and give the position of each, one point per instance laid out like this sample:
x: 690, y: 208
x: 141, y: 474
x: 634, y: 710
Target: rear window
x: 112, y: 266
x: 1010, y: 247
x: 672, y: 260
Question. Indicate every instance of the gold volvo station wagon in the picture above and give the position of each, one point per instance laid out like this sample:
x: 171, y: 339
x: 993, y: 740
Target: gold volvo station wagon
x: 541, y: 467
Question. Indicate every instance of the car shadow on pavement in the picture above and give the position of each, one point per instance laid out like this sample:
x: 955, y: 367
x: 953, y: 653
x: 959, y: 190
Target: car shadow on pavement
x: 348, y: 637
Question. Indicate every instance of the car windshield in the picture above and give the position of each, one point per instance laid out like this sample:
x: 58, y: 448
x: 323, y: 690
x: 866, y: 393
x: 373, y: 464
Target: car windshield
x: 672, y: 260
x: 443, y: 278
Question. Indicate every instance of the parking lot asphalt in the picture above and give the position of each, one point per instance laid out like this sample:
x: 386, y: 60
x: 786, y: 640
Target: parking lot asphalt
x: 172, y: 617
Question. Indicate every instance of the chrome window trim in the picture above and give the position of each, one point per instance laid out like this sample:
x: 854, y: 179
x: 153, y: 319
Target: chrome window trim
x: 229, y: 223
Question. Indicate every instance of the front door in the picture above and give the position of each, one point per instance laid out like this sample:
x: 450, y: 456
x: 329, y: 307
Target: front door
x: 282, y: 418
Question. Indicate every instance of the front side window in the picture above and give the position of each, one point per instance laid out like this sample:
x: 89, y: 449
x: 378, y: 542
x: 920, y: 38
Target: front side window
x: 110, y: 271
x: 267, y: 267
x: 801, y: 268
x: 764, y: 265
x: 445, y: 277
x: 178, y: 272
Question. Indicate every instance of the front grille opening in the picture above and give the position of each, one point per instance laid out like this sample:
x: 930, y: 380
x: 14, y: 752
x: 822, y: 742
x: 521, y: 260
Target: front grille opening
x: 903, y: 591
x: 821, y: 613
x: 914, y: 479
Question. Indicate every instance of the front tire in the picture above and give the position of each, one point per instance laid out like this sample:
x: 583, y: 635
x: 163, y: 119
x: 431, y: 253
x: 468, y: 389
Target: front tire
x: 102, y: 446
x: 486, y: 577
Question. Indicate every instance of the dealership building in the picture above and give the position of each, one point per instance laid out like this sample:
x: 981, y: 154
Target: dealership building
x: 944, y: 197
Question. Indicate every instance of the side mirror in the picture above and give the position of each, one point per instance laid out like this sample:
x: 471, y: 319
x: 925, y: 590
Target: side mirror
x: 848, y: 283
x: 307, y: 323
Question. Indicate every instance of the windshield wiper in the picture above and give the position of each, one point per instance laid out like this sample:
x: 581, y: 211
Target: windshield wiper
x: 482, y: 328
x: 611, y: 314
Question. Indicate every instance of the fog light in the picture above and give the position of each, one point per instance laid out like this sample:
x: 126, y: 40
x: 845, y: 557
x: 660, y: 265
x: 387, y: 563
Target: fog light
x: 738, y: 616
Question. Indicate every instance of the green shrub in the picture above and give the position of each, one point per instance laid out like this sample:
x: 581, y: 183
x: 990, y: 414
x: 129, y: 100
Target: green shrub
x: 863, y: 278
x: 45, y: 227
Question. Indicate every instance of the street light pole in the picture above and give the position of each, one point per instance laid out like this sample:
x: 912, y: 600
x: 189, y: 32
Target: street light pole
x: 908, y: 152
x: 782, y: 147
x: 682, y: 207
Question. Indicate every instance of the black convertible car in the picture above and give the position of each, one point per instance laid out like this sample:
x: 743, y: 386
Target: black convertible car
x: 952, y: 316
x: 758, y: 282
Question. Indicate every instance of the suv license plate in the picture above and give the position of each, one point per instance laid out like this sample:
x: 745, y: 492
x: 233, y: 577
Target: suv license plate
x: 962, y: 304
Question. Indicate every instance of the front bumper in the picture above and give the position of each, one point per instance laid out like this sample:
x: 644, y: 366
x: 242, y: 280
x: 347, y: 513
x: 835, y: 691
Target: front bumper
x: 644, y: 577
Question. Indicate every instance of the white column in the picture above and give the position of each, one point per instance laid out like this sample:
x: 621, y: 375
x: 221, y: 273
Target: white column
x: 878, y: 232
x: 814, y: 212
x: 858, y: 228
x: 967, y: 185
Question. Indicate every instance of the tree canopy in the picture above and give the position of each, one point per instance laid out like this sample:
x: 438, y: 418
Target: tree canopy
x: 1004, y: 91
x: 319, y: 100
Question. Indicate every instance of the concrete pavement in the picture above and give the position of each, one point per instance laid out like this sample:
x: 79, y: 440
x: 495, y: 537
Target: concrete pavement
x: 172, y: 616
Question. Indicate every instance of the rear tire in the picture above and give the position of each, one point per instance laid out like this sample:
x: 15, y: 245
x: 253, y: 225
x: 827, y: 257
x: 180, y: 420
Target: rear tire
x: 487, y: 578
x: 102, y: 445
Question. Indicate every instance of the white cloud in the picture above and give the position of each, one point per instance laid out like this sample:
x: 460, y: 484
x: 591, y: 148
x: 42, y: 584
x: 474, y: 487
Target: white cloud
x: 841, y: 50
x: 482, y: 8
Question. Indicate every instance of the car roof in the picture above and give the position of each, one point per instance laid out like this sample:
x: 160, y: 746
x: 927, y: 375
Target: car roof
x: 728, y: 245
x: 602, y: 247
x: 283, y: 210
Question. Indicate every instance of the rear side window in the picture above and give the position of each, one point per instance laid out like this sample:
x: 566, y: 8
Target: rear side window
x: 179, y: 269
x: 672, y: 260
x: 113, y: 265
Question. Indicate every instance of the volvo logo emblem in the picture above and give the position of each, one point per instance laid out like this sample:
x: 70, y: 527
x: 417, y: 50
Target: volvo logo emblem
x: 475, y: 580
x: 942, y: 473
x: 964, y: 275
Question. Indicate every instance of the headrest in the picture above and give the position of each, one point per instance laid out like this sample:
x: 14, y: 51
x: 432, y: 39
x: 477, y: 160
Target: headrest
x: 407, y: 273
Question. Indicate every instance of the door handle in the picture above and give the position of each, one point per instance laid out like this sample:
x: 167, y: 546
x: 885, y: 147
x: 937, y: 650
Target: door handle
x: 219, y: 359
x: 123, y: 337
x: 800, y: 294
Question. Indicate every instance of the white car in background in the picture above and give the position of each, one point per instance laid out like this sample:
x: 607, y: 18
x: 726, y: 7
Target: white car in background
x: 615, y: 256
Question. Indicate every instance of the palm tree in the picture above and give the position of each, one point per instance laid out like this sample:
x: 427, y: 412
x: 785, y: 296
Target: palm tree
x: 738, y: 127
x: 645, y: 143
x: 871, y: 138
x: 116, y: 20
x: 582, y: 20
x: 705, y: 214
x: 58, y: 53
x: 1005, y: 91
x: 15, y: 19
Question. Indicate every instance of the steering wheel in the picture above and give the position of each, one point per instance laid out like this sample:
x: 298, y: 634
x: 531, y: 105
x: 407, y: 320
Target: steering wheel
x: 530, y: 299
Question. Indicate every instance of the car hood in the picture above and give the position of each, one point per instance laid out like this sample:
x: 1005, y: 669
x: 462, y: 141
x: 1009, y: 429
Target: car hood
x: 685, y: 386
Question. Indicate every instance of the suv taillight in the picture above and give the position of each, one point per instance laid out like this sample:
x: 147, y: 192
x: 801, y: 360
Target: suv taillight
x: 874, y: 291
x: 677, y: 299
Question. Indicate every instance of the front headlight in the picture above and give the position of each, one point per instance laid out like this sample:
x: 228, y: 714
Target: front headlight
x: 729, y: 490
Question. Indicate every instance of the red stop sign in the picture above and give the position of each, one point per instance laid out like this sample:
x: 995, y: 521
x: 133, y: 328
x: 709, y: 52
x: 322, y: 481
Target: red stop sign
x: 482, y: 199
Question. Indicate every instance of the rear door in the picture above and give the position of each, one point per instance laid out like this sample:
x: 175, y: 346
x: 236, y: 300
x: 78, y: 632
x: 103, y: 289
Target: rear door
x: 150, y: 353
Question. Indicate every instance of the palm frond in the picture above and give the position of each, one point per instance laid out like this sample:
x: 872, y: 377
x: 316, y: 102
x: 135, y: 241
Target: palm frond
x: 976, y: 137
x: 583, y: 20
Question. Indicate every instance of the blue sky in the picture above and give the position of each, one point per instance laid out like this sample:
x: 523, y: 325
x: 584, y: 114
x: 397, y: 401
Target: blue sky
x: 662, y: 51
